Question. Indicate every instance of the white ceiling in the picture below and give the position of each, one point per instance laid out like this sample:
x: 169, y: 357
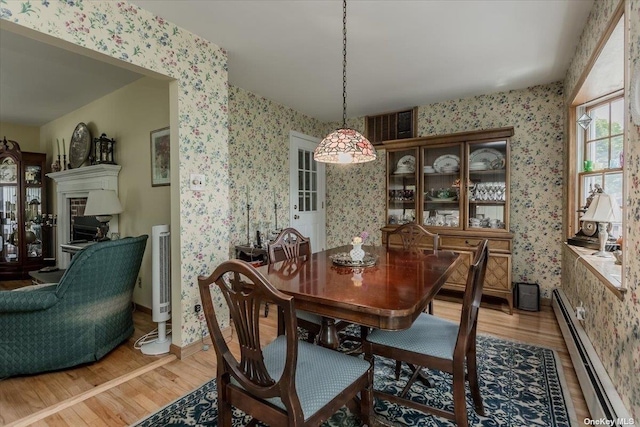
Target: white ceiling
x: 400, y: 53
x: 39, y: 82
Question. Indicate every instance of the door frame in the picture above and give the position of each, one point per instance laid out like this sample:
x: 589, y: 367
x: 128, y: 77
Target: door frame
x: 322, y: 184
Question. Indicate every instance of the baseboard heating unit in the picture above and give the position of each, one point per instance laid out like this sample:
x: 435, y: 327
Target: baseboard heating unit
x: 600, y: 395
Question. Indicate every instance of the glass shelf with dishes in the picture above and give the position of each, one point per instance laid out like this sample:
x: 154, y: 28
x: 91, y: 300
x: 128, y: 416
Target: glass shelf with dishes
x: 459, y: 190
x: 424, y: 184
x: 401, y: 186
x: 441, y: 171
x: 25, y: 234
x: 488, y: 185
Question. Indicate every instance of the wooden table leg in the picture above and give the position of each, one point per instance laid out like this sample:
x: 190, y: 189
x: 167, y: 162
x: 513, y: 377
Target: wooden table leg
x: 328, y: 334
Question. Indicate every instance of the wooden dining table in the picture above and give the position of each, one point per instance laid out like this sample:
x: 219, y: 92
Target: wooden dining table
x: 388, y: 295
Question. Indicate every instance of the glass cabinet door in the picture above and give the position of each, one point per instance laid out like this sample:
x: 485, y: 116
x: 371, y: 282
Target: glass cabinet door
x: 401, y: 186
x: 488, y: 186
x: 441, y: 173
x: 33, y: 210
x: 9, y: 210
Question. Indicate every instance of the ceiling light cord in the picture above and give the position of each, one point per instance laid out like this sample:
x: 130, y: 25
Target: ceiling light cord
x: 344, y: 145
x: 344, y: 64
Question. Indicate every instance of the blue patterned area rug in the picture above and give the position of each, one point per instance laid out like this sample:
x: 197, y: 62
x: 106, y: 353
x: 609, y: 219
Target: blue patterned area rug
x: 521, y: 385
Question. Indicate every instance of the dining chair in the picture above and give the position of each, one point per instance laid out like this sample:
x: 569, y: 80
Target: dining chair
x: 287, y: 245
x: 440, y: 344
x: 287, y: 382
x: 414, y: 238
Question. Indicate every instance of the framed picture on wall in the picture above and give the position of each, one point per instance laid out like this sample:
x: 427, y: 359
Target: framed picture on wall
x: 160, y: 160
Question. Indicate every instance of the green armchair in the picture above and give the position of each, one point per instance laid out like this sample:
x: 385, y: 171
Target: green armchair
x: 79, y: 320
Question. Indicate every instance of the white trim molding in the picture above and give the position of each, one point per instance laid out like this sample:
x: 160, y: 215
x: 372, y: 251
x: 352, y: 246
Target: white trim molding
x: 76, y: 183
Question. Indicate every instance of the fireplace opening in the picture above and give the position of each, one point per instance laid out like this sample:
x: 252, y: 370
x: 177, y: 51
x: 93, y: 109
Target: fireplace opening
x: 81, y: 227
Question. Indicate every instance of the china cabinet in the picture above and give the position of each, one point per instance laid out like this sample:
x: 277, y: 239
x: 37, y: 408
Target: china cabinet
x: 457, y: 186
x: 25, y: 231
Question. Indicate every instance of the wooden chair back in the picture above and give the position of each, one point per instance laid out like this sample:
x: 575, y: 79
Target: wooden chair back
x: 244, y: 289
x: 471, y: 298
x: 289, y: 244
x: 413, y: 237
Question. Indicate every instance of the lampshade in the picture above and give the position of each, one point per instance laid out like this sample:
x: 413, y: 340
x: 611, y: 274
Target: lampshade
x: 603, y: 208
x: 102, y: 202
x: 344, y: 146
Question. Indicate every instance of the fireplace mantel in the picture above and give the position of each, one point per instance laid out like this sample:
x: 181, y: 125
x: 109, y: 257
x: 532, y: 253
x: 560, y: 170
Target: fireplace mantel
x: 76, y: 183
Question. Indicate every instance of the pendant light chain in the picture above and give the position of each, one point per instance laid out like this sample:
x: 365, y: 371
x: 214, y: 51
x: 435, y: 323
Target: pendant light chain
x: 344, y: 145
x: 344, y: 64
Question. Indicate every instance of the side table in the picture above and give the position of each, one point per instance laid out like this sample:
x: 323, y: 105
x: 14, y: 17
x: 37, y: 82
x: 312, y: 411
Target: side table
x: 46, y: 277
x: 256, y: 257
x: 249, y: 254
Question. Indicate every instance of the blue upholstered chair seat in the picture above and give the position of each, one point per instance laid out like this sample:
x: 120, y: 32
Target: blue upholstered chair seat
x: 321, y: 374
x: 428, y: 335
x: 309, y: 317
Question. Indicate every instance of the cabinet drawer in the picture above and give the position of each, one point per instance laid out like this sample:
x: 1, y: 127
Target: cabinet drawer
x: 395, y: 240
x: 459, y: 275
x: 448, y: 242
x: 497, y: 277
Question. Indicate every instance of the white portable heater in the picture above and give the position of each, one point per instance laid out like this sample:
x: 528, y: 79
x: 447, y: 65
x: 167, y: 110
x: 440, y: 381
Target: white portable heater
x: 160, y: 288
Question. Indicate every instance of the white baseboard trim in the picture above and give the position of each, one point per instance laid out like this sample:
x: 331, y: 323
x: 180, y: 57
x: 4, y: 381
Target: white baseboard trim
x: 600, y: 395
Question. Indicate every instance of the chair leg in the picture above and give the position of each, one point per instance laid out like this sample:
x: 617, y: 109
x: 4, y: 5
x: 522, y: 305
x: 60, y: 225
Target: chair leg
x: 472, y: 375
x: 407, y: 387
x: 224, y: 407
x: 459, y: 401
x: 366, y: 401
x: 266, y: 309
x: 398, y: 369
x: 430, y: 307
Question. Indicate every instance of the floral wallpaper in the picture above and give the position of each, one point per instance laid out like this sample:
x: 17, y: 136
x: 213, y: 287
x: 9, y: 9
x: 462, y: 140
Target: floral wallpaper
x: 133, y: 35
x: 241, y: 140
x: 259, y: 161
x: 613, y: 326
x: 357, y: 194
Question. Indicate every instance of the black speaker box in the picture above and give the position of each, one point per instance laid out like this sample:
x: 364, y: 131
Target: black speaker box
x: 527, y: 296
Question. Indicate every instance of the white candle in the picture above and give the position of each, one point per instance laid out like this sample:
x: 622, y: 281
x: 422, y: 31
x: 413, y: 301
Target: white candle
x: 58, y: 143
x: 247, y: 188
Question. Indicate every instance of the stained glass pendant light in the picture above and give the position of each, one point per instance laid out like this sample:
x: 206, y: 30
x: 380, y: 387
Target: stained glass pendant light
x: 344, y: 145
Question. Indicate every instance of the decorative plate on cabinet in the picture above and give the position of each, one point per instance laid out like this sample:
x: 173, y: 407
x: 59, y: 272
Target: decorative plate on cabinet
x: 451, y: 162
x: 80, y: 146
x: 406, y: 164
x: 8, y: 171
x: 485, y: 155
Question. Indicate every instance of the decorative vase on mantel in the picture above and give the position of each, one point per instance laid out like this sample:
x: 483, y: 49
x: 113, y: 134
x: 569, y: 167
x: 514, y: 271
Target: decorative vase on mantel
x: 357, y: 254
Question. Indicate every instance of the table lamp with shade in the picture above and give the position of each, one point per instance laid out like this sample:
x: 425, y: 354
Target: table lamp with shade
x: 603, y: 210
x: 103, y: 204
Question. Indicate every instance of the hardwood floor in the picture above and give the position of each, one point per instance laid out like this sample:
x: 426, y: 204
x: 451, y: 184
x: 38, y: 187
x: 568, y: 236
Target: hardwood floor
x: 10, y: 285
x: 126, y: 386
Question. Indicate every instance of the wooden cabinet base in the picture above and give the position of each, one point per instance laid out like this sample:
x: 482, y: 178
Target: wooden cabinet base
x: 497, y: 282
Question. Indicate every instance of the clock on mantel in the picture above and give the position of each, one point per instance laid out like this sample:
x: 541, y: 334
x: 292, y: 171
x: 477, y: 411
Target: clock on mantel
x: 587, y: 236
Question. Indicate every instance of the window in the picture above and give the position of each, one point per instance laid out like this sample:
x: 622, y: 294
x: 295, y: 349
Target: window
x: 601, y: 145
x: 596, y: 154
